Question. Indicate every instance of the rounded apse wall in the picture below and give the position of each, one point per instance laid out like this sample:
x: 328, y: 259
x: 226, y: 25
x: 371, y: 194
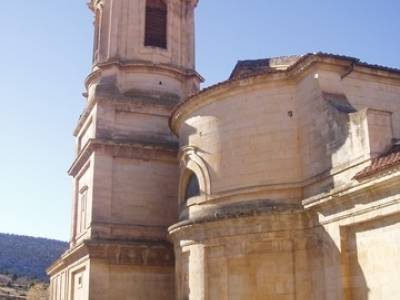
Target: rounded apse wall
x: 241, y: 142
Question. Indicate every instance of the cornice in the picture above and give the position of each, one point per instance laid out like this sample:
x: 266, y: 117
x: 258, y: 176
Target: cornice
x: 240, y: 215
x: 118, y: 252
x: 255, y: 212
x: 355, y: 190
x: 69, y: 257
x: 291, y: 74
x: 101, y: 230
x: 138, y: 253
x: 219, y: 91
x: 127, y: 149
x: 132, y: 65
x: 133, y: 104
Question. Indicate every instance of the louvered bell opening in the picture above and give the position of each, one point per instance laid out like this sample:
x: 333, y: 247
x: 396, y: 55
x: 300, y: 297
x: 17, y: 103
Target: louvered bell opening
x: 156, y: 24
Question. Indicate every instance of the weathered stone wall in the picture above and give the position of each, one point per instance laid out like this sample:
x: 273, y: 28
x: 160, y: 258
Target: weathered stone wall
x: 122, y: 282
x: 259, y: 257
x: 126, y: 170
x: 144, y: 192
x: 339, y: 129
x: 122, y: 33
x: 267, y: 144
x: 241, y: 136
x: 72, y: 282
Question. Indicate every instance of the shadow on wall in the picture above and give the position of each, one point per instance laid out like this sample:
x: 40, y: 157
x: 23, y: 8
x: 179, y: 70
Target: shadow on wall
x: 287, y: 268
x: 372, y: 257
x: 329, y: 135
x: 335, y: 273
x: 339, y: 269
x: 320, y: 271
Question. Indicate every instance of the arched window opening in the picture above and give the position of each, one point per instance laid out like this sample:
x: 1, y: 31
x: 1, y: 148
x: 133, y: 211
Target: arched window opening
x: 156, y: 24
x: 192, y: 187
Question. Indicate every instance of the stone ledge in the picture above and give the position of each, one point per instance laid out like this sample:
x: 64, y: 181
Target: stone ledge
x: 67, y: 258
x: 237, y: 211
x: 133, y: 101
x: 353, y: 191
x: 176, y: 71
x: 138, y: 253
x: 119, y: 252
x: 126, y: 149
x: 128, y: 231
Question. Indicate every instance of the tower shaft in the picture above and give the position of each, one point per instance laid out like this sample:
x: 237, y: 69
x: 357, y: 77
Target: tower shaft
x: 125, y: 173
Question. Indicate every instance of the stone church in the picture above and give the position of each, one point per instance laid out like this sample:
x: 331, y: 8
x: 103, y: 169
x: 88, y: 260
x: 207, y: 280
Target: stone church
x: 281, y: 182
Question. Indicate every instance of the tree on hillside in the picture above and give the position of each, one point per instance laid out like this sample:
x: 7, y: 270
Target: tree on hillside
x: 27, y: 256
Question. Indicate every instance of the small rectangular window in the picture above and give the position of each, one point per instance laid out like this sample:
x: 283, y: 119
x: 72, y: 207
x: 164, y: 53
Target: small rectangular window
x: 80, y: 281
x: 156, y: 24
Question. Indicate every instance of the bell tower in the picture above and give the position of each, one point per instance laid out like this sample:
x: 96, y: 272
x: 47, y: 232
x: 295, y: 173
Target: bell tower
x: 146, y: 37
x: 125, y: 173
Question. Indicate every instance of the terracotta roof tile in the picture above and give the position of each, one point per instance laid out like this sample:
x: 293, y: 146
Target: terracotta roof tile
x: 257, y: 66
x: 382, y: 163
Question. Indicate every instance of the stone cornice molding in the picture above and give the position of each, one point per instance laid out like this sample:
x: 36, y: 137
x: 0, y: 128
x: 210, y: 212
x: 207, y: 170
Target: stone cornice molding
x: 126, y: 149
x: 228, y: 216
x: 350, y: 216
x: 138, y: 65
x: 219, y: 91
x: 290, y: 75
x: 128, y: 231
x: 239, y: 216
x: 125, y: 103
x: 354, y: 193
x: 217, y: 198
x: 145, y: 253
x: 67, y: 258
x: 118, y: 252
x: 355, y: 190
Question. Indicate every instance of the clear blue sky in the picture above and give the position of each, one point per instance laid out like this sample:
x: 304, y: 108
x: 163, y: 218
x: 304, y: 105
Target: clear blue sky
x: 46, y: 53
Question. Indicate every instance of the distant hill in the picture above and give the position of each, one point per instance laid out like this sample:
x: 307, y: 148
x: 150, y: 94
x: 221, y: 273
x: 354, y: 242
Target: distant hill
x: 27, y: 256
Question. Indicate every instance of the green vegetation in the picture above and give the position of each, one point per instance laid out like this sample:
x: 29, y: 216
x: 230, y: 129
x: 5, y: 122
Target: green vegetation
x: 28, y: 257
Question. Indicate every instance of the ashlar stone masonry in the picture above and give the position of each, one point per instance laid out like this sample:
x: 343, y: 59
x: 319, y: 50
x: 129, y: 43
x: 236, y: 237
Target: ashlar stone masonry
x: 280, y: 183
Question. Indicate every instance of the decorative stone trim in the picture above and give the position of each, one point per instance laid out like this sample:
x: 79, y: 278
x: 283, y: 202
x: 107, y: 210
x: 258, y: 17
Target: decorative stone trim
x: 138, y: 253
x: 354, y: 191
x: 292, y: 73
x: 106, y: 231
x: 126, y: 102
x: 135, y: 253
x: 177, y: 71
x: 237, y: 211
x: 191, y: 160
x: 242, y: 219
x: 126, y: 149
x: 68, y: 258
